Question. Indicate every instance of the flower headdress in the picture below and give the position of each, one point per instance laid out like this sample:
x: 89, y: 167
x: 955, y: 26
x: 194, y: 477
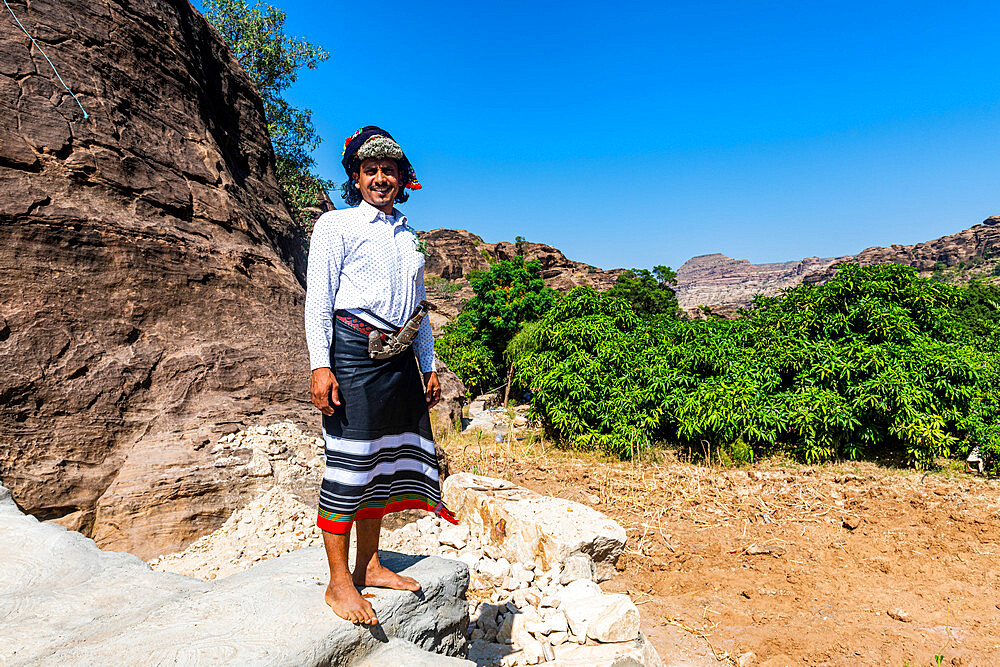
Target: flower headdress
x: 374, y: 142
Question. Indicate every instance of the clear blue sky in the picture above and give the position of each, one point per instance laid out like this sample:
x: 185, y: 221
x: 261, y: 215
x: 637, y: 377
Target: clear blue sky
x: 636, y: 134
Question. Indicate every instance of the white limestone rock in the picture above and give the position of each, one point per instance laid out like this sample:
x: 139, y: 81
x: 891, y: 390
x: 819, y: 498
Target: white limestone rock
x: 603, y: 618
x: 454, y: 535
x: 493, y: 572
x: 577, y: 567
x: 66, y: 602
x: 528, y: 527
x: 557, y: 621
x: 636, y: 653
x: 533, y: 651
x: 578, y: 590
x: 618, y: 622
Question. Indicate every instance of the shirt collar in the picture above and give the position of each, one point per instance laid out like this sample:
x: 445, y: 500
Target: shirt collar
x: 369, y: 213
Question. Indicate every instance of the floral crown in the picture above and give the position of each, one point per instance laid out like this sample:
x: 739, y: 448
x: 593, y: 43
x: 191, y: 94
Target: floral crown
x: 382, y: 146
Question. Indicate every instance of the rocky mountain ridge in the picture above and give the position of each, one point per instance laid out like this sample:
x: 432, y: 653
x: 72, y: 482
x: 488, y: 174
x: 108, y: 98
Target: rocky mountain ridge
x: 718, y: 280
x: 725, y: 283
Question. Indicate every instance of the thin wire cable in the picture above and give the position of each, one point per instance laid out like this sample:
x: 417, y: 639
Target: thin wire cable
x: 18, y: 21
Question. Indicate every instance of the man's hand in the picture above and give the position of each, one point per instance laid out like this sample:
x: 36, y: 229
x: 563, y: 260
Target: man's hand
x: 325, y: 391
x: 433, y: 392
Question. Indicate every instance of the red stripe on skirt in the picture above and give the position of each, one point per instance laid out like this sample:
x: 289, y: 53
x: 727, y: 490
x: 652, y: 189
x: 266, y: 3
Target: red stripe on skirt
x: 344, y: 527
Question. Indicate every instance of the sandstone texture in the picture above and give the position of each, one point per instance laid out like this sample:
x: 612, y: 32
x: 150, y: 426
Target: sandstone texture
x: 64, y: 601
x: 726, y: 284
x: 150, y: 276
x: 150, y: 273
x: 982, y: 240
x: 532, y: 528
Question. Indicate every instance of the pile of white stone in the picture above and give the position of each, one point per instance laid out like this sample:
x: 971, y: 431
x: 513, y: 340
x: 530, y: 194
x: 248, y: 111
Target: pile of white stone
x: 534, y: 564
x: 521, y: 614
x: 272, y: 524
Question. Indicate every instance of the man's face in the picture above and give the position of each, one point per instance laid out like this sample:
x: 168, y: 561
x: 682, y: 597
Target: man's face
x: 378, y: 181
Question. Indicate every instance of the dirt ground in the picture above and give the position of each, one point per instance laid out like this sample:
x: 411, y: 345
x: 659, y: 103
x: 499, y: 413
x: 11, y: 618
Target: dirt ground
x: 847, y: 563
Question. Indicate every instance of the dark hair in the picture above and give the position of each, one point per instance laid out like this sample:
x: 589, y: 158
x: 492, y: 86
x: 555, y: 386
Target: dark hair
x: 352, y: 195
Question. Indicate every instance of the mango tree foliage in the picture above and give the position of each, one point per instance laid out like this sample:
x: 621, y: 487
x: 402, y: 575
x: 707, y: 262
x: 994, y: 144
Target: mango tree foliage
x: 875, y: 363
x: 649, y: 292
x: 507, y: 295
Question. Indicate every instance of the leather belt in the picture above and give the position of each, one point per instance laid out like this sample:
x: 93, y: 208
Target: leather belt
x: 358, y: 324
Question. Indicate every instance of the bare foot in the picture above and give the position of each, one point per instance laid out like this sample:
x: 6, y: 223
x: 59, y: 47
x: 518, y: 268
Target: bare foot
x: 346, y: 602
x: 378, y: 575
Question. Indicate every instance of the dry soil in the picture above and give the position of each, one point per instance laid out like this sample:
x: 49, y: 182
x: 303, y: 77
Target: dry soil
x: 848, y: 563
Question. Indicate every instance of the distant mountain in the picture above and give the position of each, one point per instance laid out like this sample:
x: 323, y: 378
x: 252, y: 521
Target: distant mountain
x: 725, y: 283
x: 715, y: 279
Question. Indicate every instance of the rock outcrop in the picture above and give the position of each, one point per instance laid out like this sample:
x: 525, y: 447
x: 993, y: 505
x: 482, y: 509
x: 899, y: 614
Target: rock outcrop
x: 453, y: 253
x: 726, y: 284
x: 979, y: 241
x: 533, y: 594
x: 64, y: 601
x: 714, y: 280
x: 528, y: 527
x: 150, y: 275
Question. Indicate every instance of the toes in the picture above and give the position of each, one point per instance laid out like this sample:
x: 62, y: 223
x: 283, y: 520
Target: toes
x: 370, y: 613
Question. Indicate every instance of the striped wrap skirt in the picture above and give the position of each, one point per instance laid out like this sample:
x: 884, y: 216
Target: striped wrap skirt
x: 379, y: 447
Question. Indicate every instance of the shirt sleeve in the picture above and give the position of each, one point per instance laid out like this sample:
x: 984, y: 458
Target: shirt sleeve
x: 423, y: 342
x: 326, y: 257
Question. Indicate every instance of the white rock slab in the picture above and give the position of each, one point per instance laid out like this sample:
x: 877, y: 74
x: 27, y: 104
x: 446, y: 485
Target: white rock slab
x: 530, y: 527
x: 406, y: 654
x: 577, y: 567
x: 63, y: 601
x: 618, y: 622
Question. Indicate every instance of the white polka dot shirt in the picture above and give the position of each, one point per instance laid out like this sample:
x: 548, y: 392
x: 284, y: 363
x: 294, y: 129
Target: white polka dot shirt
x: 361, y: 259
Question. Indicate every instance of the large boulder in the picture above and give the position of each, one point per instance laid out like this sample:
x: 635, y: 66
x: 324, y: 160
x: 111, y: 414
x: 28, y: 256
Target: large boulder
x: 64, y: 601
x: 531, y: 528
x: 150, y: 274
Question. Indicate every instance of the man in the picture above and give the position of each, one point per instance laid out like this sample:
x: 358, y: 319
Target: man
x: 366, y: 273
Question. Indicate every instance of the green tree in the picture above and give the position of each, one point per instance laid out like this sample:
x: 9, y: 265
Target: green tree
x: 272, y: 59
x: 507, y: 295
x: 649, y: 292
x: 875, y: 363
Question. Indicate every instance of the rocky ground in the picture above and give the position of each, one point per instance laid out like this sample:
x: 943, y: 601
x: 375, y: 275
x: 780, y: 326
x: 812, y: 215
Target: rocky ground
x: 777, y: 564
x: 840, y: 564
x: 521, y: 614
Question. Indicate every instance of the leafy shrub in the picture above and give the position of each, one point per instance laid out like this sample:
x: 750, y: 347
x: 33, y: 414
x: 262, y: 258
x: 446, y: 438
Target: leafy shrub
x: 507, y: 295
x: 875, y: 363
x: 255, y: 34
x: 649, y: 292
